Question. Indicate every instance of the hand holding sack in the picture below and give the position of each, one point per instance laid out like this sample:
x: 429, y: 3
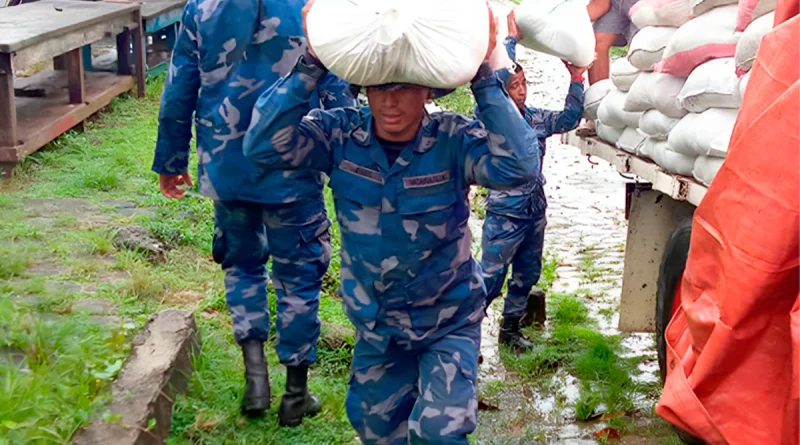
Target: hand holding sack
x: 437, y: 44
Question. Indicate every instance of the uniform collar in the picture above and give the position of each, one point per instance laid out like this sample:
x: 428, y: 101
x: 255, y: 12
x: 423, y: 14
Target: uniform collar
x: 422, y: 142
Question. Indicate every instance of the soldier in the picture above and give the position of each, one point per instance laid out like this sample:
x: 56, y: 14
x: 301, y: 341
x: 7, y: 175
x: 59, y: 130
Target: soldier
x: 513, y: 231
x: 408, y: 280
x: 228, y: 53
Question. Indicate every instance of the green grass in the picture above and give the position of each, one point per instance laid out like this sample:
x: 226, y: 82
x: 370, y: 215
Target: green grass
x: 110, y: 160
x: 460, y: 101
x: 617, y: 52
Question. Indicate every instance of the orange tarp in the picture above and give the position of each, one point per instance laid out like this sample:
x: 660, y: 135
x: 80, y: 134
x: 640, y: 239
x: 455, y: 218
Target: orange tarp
x: 733, y: 347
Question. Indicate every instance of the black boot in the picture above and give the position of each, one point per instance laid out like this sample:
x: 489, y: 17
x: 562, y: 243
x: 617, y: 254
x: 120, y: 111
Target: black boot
x: 511, y: 336
x: 297, y: 402
x: 256, y: 399
x: 536, y: 310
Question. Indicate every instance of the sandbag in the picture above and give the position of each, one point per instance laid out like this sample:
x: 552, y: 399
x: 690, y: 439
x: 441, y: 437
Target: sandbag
x: 647, y: 46
x: 660, y: 13
x: 612, y: 113
x: 747, y: 47
x: 366, y: 42
x: 561, y: 28
x: 711, y: 85
x: 702, y: 6
x: 669, y: 160
x: 709, y: 36
x: 623, y: 74
x: 608, y: 133
x: 750, y: 10
x: 594, y: 95
x: 704, y: 134
x: 631, y: 140
x: 656, y: 124
x: 705, y: 168
x: 655, y: 91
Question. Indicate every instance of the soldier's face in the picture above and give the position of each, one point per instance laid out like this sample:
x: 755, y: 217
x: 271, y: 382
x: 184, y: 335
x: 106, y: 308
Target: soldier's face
x: 397, y: 112
x: 518, y: 89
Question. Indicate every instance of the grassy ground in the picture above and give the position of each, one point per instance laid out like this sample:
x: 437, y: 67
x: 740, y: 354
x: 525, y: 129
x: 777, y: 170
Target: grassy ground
x: 69, y: 359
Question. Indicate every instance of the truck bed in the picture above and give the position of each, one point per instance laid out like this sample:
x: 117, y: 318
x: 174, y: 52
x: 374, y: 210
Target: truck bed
x: 679, y: 188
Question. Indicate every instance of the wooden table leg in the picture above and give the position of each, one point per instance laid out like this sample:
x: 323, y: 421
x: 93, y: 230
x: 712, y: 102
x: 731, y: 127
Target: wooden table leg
x: 8, y: 110
x: 124, y: 53
x: 74, y: 63
x: 58, y: 63
x: 138, y: 35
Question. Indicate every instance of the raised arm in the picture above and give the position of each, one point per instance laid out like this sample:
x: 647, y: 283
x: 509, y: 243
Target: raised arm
x: 499, y: 150
x: 335, y: 93
x: 561, y: 121
x: 179, y: 100
x: 284, y: 133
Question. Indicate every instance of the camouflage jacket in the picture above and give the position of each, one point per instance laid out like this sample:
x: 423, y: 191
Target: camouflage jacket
x: 407, y: 272
x: 226, y: 54
x: 527, y: 201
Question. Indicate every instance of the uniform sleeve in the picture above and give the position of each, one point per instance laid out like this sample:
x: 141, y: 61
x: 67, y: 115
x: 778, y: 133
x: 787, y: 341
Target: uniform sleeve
x: 554, y: 122
x: 499, y: 150
x: 335, y: 93
x: 511, y: 48
x: 284, y: 133
x: 179, y: 100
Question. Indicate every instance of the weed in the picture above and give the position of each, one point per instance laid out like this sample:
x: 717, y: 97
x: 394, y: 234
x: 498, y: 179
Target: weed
x: 617, y: 52
x: 459, y: 101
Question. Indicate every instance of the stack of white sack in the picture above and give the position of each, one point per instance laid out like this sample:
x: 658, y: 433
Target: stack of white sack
x: 561, y: 28
x: 748, y: 45
x: 617, y: 126
x: 594, y: 96
x: 438, y: 44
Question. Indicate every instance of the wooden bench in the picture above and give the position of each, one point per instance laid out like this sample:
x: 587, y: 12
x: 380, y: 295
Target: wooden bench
x: 37, y: 32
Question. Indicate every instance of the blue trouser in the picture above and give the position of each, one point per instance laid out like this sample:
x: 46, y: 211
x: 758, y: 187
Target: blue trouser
x: 296, y: 237
x: 514, y: 242
x: 425, y: 395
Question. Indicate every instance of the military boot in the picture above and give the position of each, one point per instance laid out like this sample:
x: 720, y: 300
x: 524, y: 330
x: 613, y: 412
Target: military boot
x: 510, y: 335
x: 256, y: 399
x: 297, y: 402
x: 536, y: 310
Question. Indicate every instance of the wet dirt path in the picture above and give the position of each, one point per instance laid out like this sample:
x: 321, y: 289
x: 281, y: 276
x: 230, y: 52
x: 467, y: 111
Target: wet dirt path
x: 586, y: 233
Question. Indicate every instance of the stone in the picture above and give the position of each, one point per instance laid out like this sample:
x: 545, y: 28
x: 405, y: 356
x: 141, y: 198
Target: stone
x: 136, y: 212
x: 14, y: 357
x: 118, y: 204
x: 142, y: 240
x: 157, y: 370
x: 48, y: 206
x: 65, y: 287
x: 95, y: 306
x: 48, y: 269
x: 334, y: 336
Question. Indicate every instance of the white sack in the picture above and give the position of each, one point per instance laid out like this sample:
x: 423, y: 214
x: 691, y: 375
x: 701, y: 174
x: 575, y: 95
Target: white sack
x: 656, y: 124
x: 611, y: 111
x: 655, y: 91
x: 607, y: 133
x: 748, y: 45
x: 594, y: 95
x: 648, y: 45
x: 706, y: 168
x: 703, y: 6
x: 623, y: 74
x: 705, y: 134
x: 561, y: 28
x: 743, y: 84
x: 438, y: 44
x: 669, y: 160
x: 711, y: 85
x: 631, y: 140
x: 660, y: 13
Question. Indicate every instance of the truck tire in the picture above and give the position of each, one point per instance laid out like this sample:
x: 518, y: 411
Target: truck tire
x: 673, y: 263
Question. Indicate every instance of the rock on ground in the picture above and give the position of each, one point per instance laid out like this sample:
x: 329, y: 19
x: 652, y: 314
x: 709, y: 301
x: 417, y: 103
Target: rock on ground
x: 157, y: 370
x: 142, y: 240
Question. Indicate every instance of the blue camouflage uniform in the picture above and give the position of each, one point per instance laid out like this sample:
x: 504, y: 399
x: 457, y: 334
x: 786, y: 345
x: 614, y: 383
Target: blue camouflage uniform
x: 226, y: 55
x: 409, y: 283
x: 513, y: 231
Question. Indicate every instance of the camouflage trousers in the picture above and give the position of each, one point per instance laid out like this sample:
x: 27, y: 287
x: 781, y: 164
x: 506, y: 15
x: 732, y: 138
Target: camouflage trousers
x: 518, y: 244
x: 417, y: 396
x: 296, y: 237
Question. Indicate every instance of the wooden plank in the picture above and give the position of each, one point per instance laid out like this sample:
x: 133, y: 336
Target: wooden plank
x: 158, y: 14
x: 74, y: 63
x: 139, y: 56
x: 40, y: 120
x: 65, y: 43
x: 124, y: 53
x: 32, y: 23
x: 8, y: 110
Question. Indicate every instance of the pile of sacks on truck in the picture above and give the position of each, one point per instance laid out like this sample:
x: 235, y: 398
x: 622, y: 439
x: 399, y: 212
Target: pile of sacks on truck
x: 675, y: 96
